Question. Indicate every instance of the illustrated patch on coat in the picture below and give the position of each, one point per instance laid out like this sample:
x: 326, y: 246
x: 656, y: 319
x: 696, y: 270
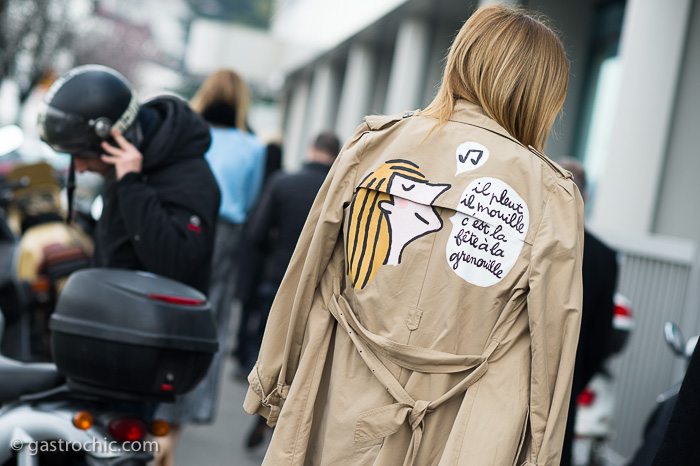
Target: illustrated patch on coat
x: 470, y: 156
x: 488, y: 232
x: 391, y: 208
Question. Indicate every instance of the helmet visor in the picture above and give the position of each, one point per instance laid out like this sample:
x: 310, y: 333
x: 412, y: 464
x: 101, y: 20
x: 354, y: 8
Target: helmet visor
x: 66, y: 132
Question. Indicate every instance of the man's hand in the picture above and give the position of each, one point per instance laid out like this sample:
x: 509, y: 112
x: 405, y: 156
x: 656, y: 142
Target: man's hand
x: 126, y: 158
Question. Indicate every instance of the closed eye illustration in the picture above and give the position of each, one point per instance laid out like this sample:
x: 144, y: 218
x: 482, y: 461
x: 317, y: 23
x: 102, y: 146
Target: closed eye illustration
x: 383, y: 220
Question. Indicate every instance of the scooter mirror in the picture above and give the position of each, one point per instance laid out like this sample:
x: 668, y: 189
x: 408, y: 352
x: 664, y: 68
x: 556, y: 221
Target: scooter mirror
x: 674, y: 338
x: 11, y: 139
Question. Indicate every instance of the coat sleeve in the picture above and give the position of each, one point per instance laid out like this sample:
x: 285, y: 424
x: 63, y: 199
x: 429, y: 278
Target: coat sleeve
x: 554, y: 309
x: 281, y: 347
x: 166, y: 236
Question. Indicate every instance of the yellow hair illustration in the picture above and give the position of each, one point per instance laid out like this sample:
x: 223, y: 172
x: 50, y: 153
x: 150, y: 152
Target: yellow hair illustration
x: 369, y: 234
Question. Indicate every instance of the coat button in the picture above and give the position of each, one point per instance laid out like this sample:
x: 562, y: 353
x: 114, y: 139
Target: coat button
x: 137, y: 238
x: 407, y: 114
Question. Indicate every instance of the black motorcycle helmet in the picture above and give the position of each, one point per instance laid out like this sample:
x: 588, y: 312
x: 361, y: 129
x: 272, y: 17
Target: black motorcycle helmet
x: 79, y: 111
x: 81, y: 108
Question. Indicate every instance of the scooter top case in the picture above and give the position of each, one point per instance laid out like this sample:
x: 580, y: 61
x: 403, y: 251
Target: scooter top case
x: 132, y: 335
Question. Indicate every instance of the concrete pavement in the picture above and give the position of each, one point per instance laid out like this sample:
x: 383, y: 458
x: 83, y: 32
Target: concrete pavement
x: 222, y: 443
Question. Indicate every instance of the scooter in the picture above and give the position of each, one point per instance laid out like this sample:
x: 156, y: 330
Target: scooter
x: 122, y: 341
x: 38, y: 250
x: 657, y: 423
x: 596, y: 403
x: 12, y: 296
x: 43, y: 422
x: 48, y: 250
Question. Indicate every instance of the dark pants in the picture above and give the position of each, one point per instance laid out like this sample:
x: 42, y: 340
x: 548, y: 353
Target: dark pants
x: 252, y: 325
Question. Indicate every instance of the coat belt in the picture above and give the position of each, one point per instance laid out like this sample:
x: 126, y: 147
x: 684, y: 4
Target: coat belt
x: 386, y: 420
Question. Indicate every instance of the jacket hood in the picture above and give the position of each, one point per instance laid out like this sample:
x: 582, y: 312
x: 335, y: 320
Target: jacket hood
x: 180, y: 133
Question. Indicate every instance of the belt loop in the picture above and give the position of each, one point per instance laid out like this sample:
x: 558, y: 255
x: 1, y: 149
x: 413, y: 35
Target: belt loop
x: 490, y: 349
x: 273, y: 416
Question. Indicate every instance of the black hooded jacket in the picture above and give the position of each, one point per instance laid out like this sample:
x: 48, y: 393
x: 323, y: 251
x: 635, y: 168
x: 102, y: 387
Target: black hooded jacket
x: 162, y: 220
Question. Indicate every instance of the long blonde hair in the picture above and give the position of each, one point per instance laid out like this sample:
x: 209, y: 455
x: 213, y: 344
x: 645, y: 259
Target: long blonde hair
x: 513, y: 66
x: 224, y: 87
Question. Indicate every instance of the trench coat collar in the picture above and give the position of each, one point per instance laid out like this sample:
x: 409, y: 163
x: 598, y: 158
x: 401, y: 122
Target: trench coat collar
x: 472, y: 114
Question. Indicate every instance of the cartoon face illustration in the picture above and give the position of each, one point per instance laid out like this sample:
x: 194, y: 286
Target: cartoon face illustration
x: 382, y: 223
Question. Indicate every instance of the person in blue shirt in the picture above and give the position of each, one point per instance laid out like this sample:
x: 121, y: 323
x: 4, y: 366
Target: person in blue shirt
x: 237, y: 159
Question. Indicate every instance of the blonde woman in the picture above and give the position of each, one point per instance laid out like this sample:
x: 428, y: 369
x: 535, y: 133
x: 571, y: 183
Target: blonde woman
x: 237, y: 158
x: 223, y: 100
x: 430, y: 314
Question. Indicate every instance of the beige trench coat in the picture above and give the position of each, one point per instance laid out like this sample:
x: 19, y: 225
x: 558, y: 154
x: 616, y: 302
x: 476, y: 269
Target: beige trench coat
x: 431, y: 311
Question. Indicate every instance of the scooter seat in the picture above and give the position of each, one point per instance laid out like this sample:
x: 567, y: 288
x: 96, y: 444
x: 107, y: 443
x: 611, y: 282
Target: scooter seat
x: 17, y: 378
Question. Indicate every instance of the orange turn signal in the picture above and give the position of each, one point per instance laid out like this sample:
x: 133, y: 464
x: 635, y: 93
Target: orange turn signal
x: 160, y: 428
x: 83, y: 420
x: 41, y: 285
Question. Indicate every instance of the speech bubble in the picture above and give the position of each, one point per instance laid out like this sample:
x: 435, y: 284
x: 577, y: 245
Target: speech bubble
x: 488, y: 232
x: 470, y: 156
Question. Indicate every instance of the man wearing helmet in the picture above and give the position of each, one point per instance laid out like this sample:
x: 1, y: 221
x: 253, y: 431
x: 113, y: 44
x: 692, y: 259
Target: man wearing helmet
x: 160, y: 197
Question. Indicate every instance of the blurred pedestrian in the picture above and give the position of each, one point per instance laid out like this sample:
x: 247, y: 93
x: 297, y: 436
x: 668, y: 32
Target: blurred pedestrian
x: 160, y: 197
x: 252, y: 259
x: 595, y: 338
x: 273, y: 232
x: 431, y: 309
x: 161, y: 200
x: 273, y: 154
x: 237, y: 160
